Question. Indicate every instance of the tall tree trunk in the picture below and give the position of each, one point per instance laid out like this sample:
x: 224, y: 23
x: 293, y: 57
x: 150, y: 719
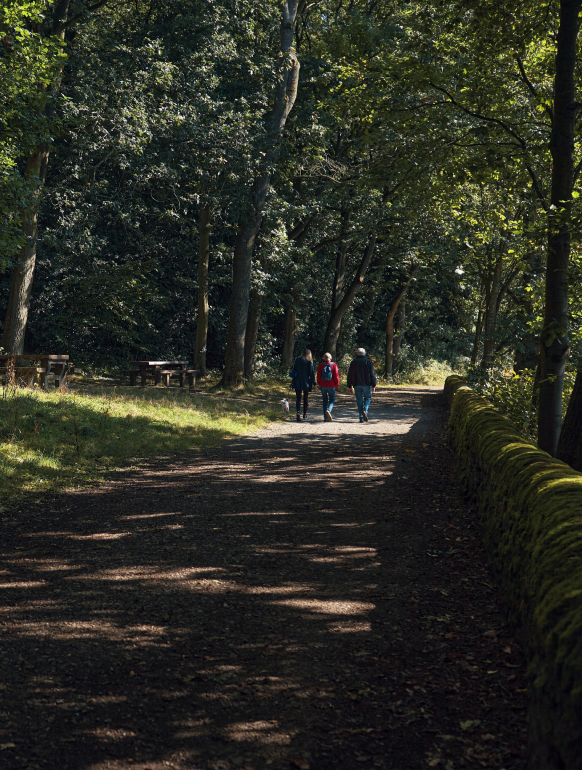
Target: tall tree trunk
x: 492, y: 289
x: 243, y: 250
x: 297, y: 234
x: 203, y: 264
x: 23, y: 271
x: 554, y: 337
x: 570, y: 443
x: 341, y: 261
x: 399, y: 324
x: 252, y: 331
x: 335, y: 320
x: 527, y: 352
x: 477, y: 338
x: 290, y: 333
x: 389, y: 361
x: 36, y: 168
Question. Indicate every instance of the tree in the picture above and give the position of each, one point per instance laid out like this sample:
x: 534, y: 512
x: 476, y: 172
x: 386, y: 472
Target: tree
x: 251, y: 221
x: 396, y: 305
x: 48, y: 38
x: 554, y: 338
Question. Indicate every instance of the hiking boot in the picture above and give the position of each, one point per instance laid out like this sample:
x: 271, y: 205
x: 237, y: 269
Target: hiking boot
x: 328, y: 417
x: 298, y: 417
x: 365, y: 416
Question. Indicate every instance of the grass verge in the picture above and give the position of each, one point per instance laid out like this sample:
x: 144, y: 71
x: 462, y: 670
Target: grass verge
x: 50, y: 440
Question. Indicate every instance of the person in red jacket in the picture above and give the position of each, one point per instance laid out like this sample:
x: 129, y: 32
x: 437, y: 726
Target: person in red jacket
x: 327, y: 382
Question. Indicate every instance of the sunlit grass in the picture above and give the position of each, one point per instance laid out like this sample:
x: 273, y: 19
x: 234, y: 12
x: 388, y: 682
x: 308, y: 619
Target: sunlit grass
x: 55, y: 439
x: 430, y: 372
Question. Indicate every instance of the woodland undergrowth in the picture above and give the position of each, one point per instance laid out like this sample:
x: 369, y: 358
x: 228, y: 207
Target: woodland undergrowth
x: 512, y: 395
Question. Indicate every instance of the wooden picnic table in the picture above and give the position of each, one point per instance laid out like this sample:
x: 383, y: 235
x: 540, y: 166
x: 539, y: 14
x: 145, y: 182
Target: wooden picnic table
x: 51, y: 367
x: 161, y: 371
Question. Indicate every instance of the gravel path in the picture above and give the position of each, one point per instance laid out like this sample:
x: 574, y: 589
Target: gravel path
x: 311, y: 596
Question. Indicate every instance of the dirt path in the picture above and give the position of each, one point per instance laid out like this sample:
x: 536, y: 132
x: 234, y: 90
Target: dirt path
x: 314, y: 596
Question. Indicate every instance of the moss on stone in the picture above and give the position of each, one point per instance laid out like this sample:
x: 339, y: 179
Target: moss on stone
x: 530, y: 505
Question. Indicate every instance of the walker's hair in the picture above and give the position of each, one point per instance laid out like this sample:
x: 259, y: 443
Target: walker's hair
x: 327, y: 356
x: 307, y: 355
x: 361, y: 351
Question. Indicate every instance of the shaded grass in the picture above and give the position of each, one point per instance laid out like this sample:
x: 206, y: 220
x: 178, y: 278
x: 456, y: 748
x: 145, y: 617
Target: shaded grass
x: 55, y: 439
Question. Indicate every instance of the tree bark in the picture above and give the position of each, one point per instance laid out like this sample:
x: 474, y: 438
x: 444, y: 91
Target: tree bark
x: 297, y: 234
x: 245, y: 242
x: 341, y: 261
x: 35, y: 174
x: 527, y: 354
x: 492, y: 289
x: 389, y: 361
x: 570, y: 443
x: 290, y: 333
x: 23, y: 271
x: 335, y: 320
x: 477, y: 339
x: 252, y: 331
x: 203, y: 307
x: 400, y: 320
x: 554, y: 338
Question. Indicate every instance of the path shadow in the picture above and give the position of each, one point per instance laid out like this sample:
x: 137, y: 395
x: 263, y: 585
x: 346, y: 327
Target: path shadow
x: 225, y: 613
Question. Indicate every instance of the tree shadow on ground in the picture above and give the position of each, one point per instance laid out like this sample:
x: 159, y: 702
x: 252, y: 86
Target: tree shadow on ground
x: 235, y: 612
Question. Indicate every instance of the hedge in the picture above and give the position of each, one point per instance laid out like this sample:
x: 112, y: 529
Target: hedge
x: 530, y: 506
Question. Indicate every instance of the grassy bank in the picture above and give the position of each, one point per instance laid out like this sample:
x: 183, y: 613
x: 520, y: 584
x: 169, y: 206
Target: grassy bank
x: 59, y: 439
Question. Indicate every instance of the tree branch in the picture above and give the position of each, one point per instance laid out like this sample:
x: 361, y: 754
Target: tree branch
x: 522, y: 143
x: 65, y: 25
x: 530, y: 85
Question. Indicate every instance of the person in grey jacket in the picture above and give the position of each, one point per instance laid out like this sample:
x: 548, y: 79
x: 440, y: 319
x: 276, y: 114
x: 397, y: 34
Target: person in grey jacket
x: 303, y: 381
x: 362, y: 381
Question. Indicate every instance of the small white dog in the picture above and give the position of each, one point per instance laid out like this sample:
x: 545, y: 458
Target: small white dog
x: 284, y: 405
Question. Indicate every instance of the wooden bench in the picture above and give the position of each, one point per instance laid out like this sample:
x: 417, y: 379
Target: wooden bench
x: 161, y: 375
x: 27, y: 373
x: 133, y: 375
x: 182, y: 374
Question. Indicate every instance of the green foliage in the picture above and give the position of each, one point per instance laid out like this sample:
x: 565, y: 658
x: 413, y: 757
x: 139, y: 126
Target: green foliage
x: 423, y: 124
x: 511, y: 394
x: 29, y: 63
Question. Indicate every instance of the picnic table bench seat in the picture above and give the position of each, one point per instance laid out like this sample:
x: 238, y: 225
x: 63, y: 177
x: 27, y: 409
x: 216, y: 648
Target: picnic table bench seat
x: 51, y: 368
x: 162, y: 375
x: 27, y: 373
x: 181, y: 373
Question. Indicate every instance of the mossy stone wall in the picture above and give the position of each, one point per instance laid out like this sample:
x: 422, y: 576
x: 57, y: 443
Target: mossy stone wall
x: 530, y: 507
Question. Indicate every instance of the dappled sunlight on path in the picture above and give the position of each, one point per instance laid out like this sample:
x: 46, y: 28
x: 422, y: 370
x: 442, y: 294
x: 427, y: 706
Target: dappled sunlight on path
x: 255, y: 607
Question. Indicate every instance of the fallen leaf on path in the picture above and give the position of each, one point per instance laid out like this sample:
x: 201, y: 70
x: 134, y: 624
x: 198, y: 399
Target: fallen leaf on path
x: 470, y: 723
x: 300, y: 763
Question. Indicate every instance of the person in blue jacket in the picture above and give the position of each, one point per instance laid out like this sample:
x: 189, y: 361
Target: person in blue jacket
x: 303, y: 381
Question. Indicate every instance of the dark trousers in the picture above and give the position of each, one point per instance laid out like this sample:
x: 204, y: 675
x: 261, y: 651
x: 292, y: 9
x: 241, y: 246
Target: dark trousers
x: 298, y: 394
